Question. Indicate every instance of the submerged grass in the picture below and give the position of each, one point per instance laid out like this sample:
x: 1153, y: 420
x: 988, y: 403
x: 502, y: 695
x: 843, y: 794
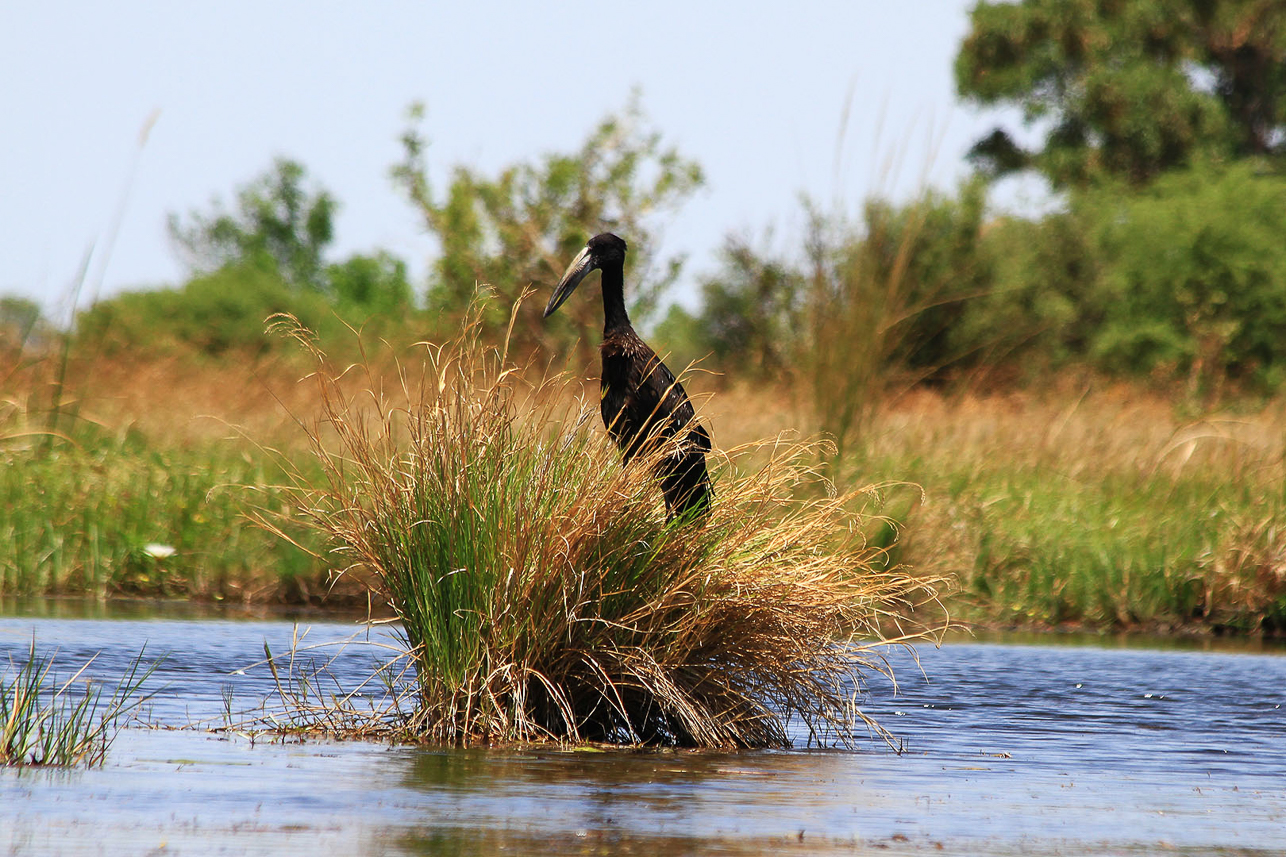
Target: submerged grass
x: 44, y: 722
x: 542, y: 592
x: 310, y: 700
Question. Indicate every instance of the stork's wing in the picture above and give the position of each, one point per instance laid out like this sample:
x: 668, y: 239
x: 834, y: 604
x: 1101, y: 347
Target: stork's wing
x: 663, y: 387
x: 676, y: 409
x: 699, y: 437
x: 641, y: 396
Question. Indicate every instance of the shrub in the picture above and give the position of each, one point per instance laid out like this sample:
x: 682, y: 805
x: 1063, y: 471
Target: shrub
x: 213, y: 314
x: 370, y: 286
x: 1194, y: 279
x: 1036, y: 312
x: 224, y: 312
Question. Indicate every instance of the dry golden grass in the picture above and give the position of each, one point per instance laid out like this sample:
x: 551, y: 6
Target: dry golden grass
x: 1103, y: 507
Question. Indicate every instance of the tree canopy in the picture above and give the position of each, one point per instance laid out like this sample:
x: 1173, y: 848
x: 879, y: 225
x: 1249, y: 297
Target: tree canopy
x: 1127, y: 88
x: 279, y: 222
x: 520, y: 228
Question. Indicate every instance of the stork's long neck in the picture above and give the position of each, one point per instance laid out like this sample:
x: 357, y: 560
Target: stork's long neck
x: 614, y: 316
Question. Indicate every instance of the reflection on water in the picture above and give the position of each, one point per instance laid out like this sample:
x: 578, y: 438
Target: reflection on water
x: 156, y: 608
x: 1011, y: 749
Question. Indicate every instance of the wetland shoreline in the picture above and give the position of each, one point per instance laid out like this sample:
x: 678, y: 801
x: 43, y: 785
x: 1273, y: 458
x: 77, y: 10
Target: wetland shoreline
x: 1009, y: 748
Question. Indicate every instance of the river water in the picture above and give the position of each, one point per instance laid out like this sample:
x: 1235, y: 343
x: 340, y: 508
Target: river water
x: 1008, y: 748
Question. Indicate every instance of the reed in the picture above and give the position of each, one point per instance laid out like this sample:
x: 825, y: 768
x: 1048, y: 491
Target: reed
x: 541, y: 590
x: 310, y: 700
x: 44, y: 722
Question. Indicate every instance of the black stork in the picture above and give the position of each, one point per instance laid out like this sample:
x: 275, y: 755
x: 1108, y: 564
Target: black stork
x: 642, y: 403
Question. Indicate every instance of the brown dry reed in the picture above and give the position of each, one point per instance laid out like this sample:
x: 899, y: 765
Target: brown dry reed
x: 544, y: 596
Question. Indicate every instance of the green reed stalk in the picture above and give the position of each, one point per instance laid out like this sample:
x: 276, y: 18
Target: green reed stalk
x: 43, y: 722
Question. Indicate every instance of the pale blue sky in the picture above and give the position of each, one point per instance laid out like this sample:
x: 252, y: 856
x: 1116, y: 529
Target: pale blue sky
x: 753, y: 91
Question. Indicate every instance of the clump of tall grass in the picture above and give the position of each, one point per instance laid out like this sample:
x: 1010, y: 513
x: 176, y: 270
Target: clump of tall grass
x: 541, y: 590
x: 44, y: 722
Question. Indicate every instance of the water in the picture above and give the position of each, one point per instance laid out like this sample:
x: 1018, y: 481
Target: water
x: 1008, y: 749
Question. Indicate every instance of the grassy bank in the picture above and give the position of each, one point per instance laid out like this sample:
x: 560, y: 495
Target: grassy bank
x: 1086, y: 504
x: 111, y: 516
x: 1082, y: 504
x: 1101, y: 509
x: 141, y: 486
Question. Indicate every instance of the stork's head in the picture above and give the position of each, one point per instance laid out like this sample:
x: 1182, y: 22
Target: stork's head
x: 601, y: 251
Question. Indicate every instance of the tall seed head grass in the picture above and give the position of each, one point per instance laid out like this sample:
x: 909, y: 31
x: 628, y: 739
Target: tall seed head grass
x: 544, y: 594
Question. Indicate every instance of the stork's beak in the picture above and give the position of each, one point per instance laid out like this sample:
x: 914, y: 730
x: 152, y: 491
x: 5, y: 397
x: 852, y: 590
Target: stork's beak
x: 576, y: 271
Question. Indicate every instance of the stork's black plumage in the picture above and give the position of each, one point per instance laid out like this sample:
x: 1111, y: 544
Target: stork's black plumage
x: 641, y: 401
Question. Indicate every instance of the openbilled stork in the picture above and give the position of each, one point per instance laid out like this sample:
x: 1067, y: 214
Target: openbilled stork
x: 642, y: 403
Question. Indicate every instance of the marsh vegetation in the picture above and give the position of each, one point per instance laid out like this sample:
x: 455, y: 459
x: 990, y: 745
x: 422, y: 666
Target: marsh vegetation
x: 545, y: 594
x: 1074, y: 414
x: 61, y: 721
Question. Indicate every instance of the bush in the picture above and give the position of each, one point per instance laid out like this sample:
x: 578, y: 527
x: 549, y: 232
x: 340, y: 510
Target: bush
x: 212, y: 314
x: 1035, y: 312
x: 750, y: 311
x: 370, y: 287
x: 225, y: 312
x: 1194, y: 277
x: 925, y: 264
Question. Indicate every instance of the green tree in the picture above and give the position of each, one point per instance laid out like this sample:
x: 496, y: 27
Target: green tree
x: 898, y: 281
x: 750, y: 310
x: 520, y: 229
x: 1194, y: 278
x: 1128, y: 88
x: 280, y: 223
x: 273, y: 246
